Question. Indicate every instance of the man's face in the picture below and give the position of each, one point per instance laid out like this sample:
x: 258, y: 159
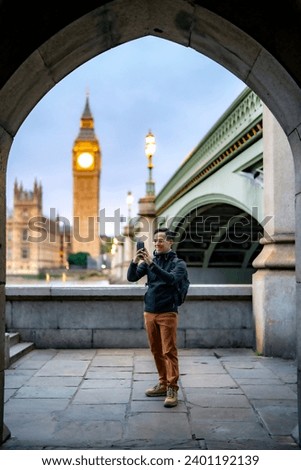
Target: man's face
x: 161, y: 244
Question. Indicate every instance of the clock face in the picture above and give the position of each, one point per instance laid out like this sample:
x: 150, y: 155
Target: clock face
x: 85, y: 160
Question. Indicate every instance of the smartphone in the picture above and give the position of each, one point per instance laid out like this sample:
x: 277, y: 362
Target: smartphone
x: 140, y: 245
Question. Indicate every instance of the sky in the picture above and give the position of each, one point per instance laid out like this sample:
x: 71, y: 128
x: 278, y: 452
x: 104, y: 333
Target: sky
x: 146, y: 84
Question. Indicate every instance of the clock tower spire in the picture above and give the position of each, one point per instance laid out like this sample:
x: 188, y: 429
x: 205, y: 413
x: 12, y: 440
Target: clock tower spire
x: 86, y: 165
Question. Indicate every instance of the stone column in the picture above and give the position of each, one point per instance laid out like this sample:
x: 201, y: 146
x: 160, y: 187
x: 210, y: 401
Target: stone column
x: 274, y: 283
x: 117, y: 256
x: 295, y: 141
x: 128, y: 250
x: 129, y: 243
x: 147, y: 221
x: 5, y: 143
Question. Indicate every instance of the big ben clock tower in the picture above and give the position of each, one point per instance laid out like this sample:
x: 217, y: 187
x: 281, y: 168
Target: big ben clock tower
x: 86, y: 164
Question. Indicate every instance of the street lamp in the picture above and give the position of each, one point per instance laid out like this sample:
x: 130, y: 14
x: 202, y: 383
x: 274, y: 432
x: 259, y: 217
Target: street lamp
x: 150, y: 149
x: 129, y: 201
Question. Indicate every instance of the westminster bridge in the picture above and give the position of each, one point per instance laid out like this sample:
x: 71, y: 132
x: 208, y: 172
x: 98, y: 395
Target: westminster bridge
x: 234, y: 227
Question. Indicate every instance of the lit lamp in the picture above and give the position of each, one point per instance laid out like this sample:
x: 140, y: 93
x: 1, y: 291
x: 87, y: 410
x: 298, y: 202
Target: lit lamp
x: 150, y: 149
x: 129, y: 201
x: 114, y: 246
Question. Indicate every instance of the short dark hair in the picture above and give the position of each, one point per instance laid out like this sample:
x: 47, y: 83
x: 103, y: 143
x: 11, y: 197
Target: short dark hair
x: 170, y: 235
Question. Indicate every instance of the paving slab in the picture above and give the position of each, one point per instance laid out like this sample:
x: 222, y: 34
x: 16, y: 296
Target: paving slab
x: 279, y: 419
x: 208, y: 381
x: 273, y: 392
x: 76, y: 354
x: 287, y: 443
x: 251, y: 372
x: 201, y: 368
x: 95, y: 399
x: 213, y: 398
x: 42, y: 381
x: 30, y: 365
x: 116, y: 361
x: 105, y: 395
x: 221, y: 430
x: 78, y: 433
x: 34, y: 428
x: 201, y: 414
x: 63, y: 367
x: 16, y: 381
x: 151, y: 377
x: 8, y: 393
x: 45, y: 392
x: 156, y: 405
x: 157, y: 426
x: 108, y: 373
x: 91, y: 413
x: 263, y: 381
x: 105, y: 383
x: 145, y: 367
x: 15, y: 409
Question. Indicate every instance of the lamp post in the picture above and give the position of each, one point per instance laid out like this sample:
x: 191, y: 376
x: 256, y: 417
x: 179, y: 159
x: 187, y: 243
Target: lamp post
x: 146, y: 204
x: 129, y: 201
x: 150, y: 149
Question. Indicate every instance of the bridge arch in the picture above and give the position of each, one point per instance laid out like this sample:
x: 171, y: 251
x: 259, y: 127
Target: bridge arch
x: 67, y: 43
x: 231, y: 34
x: 212, y: 199
x: 219, y: 241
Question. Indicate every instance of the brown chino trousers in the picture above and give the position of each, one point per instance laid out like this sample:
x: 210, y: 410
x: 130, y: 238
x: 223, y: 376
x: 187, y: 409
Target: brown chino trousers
x: 161, y: 331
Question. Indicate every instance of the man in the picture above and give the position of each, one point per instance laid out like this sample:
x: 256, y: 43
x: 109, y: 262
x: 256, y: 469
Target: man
x: 163, y: 271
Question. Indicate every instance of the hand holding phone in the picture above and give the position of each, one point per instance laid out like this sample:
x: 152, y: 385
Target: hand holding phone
x: 142, y: 253
x: 140, y: 245
x: 140, y: 249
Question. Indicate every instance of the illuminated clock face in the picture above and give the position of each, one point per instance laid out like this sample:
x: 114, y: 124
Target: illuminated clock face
x: 85, y: 160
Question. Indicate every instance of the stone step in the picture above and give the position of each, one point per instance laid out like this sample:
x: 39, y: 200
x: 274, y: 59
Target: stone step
x: 14, y: 338
x: 14, y: 348
x: 18, y: 350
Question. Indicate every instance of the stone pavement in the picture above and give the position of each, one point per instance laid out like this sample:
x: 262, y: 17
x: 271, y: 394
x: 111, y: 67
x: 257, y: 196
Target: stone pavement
x: 94, y: 399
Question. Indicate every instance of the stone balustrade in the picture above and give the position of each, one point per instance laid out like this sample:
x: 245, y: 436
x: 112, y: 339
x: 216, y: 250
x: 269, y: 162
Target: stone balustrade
x: 112, y: 316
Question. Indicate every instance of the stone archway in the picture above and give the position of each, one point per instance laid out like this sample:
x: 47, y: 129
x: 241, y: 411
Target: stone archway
x: 232, y: 35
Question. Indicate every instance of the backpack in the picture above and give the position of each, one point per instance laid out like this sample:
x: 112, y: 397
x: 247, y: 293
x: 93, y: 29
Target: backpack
x: 182, y: 287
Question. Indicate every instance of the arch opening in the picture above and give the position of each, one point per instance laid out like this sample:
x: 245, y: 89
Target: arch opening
x: 219, y: 242
x: 206, y: 32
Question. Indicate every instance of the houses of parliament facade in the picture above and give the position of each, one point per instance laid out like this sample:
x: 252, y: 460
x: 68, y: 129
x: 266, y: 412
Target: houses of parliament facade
x: 34, y: 242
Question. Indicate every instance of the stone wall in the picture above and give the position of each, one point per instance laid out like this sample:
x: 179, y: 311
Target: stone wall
x: 112, y: 317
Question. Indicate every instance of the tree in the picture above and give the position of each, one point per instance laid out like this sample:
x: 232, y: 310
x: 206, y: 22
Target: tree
x: 78, y: 259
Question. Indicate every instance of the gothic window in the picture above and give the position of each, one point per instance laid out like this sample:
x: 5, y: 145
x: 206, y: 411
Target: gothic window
x: 25, y: 253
